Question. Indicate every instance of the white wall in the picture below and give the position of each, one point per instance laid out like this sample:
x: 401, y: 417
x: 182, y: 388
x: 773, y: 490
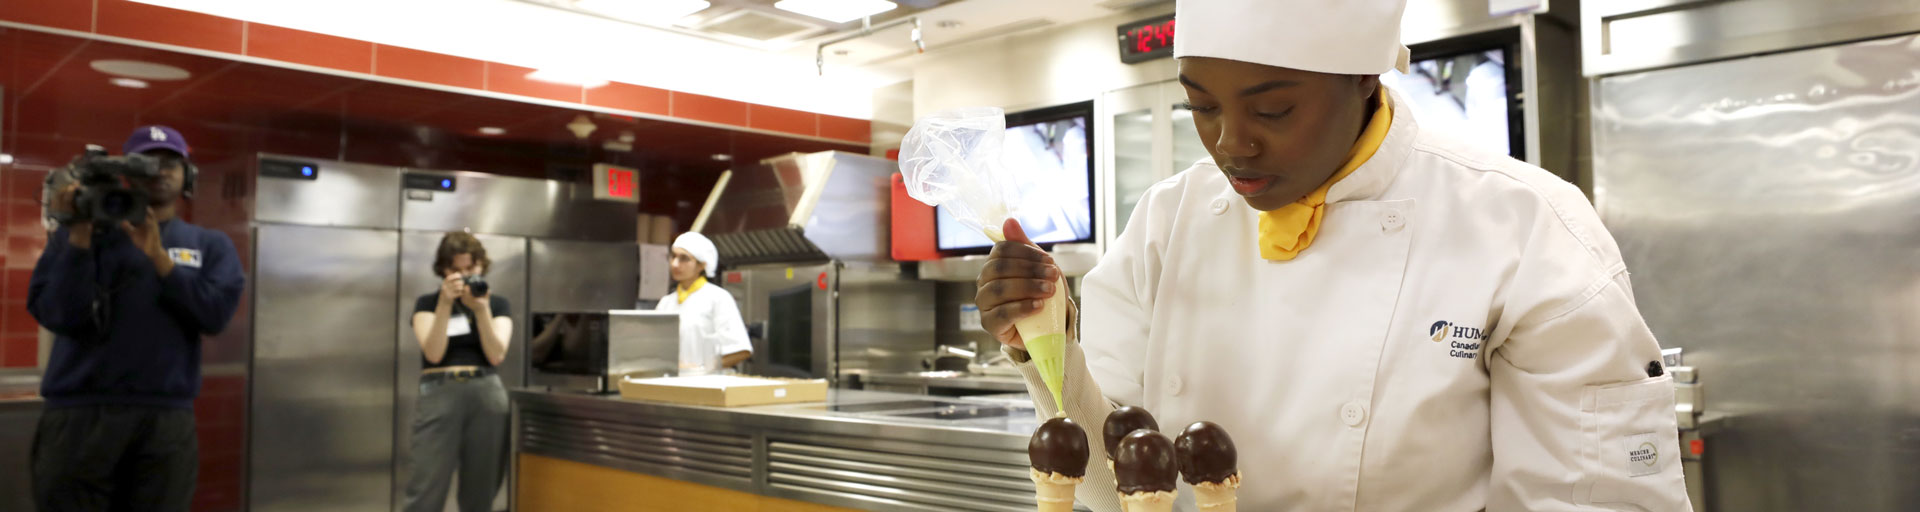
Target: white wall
x: 1042, y: 67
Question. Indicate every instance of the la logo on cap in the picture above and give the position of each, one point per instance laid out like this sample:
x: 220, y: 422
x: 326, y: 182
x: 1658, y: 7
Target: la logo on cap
x: 153, y: 132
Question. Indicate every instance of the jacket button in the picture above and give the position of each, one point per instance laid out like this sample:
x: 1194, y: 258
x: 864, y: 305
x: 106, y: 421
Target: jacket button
x: 1175, y: 386
x: 1392, y: 221
x: 1219, y: 206
x: 1353, y: 413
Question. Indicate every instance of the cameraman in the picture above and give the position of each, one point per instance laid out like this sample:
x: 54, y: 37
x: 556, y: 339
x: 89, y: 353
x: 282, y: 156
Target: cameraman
x: 129, y: 303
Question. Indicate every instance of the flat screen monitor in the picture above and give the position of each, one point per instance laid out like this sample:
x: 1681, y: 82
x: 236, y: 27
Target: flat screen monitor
x: 1051, y: 150
x: 1469, y: 88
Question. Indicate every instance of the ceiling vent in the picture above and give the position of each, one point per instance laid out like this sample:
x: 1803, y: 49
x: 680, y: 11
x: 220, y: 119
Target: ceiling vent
x: 757, y: 27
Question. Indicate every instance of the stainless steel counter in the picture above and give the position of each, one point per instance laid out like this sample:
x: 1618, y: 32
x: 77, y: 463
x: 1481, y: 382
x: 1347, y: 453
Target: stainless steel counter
x: 946, y: 380
x: 859, y: 449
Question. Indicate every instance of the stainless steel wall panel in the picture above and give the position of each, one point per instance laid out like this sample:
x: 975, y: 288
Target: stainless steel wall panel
x: 886, y: 324
x: 485, y: 203
x: 320, y: 415
x: 1632, y: 35
x: 1766, y: 208
x: 508, y: 277
x: 753, y: 293
x: 567, y: 275
x: 851, y: 212
x: 343, y: 194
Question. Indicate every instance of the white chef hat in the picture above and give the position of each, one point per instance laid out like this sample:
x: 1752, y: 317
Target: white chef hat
x: 1347, y: 37
x: 701, y: 248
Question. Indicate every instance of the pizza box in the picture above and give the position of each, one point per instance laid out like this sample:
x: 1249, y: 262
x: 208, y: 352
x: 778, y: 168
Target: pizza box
x: 724, y: 390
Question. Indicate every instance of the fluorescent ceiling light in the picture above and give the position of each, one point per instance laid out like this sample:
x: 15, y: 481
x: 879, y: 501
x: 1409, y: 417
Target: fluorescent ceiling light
x: 837, y: 11
x: 553, y: 76
x: 492, y: 130
x: 130, y: 83
x: 655, y: 12
x: 139, y: 69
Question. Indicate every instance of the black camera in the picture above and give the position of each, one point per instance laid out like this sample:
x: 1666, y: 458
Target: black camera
x: 476, y: 285
x: 111, y: 188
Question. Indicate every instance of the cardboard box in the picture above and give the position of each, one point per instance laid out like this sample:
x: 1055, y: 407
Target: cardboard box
x: 724, y: 390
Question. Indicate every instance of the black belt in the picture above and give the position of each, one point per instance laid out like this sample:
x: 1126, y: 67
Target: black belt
x: 458, y: 375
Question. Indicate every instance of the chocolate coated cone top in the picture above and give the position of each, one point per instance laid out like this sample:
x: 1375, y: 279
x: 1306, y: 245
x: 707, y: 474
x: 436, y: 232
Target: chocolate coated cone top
x: 1144, y: 463
x: 1059, y: 446
x: 1124, y: 421
x: 1206, y: 453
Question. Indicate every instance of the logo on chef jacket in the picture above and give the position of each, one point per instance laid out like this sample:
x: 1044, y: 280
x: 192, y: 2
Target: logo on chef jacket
x: 185, y: 257
x: 1643, y: 454
x: 1462, y: 342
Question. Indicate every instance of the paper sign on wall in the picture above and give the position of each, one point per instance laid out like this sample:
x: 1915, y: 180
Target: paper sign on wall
x: 654, y: 278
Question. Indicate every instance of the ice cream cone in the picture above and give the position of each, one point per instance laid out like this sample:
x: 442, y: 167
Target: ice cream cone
x: 1218, y: 496
x: 1159, y: 501
x: 1053, y: 492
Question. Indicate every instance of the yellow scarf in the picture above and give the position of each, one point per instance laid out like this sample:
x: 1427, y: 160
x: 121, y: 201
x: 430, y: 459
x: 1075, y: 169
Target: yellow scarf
x: 684, y: 291
x: 1287, y: 231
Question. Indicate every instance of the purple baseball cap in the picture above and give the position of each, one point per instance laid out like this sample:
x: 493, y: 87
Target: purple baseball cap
x: 148, y: 138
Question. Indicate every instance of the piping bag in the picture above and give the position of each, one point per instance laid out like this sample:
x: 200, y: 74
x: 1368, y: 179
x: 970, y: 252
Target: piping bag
x: 954, y: 159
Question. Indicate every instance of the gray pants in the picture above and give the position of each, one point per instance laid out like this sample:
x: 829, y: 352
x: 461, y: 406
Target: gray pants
x: 461, y: 424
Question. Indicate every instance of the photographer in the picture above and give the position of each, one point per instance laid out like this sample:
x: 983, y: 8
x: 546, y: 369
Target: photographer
x: 463, y: 330
x: 129, y: 292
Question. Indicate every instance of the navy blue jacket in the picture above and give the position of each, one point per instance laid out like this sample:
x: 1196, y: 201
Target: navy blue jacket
x: 127, y: 336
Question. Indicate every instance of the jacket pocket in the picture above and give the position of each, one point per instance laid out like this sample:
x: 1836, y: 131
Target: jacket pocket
x: 1633, y: 445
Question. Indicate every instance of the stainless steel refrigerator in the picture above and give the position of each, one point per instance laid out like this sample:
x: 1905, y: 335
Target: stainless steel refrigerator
x: 341, y: 252
x: 1769, y: 210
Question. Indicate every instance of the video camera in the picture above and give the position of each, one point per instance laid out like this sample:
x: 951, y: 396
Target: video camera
x: 109, y: 192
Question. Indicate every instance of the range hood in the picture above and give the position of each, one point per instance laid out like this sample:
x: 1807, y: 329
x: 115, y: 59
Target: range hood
x: 801, y: 208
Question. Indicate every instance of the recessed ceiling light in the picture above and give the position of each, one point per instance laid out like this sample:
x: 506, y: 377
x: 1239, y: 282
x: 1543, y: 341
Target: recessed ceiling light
x: 6, y: 159
x: 554, y: 76
x: 722, y: 157
x: 139, y: 69
x: 656, y: 12
x: 492, y: 130
x: 837, y: 11
x: 130, y: 83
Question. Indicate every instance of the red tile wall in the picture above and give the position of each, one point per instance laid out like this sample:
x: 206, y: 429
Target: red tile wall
x: 19, y: 334
x: 419, y: 66
x: 513, y: 80
x: 144, y: 22
x: 302, y: 47
x: 706, y: 108
x: 67, y: 14
x: 637, y: 98
x: 134, y: 20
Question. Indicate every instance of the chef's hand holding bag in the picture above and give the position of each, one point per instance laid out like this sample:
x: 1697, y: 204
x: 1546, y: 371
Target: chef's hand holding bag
x: 953, y: 159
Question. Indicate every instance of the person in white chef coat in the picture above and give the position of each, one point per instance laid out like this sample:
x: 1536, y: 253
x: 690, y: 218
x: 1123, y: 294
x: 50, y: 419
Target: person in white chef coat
x: 713, y: 338
x: 1383, y: 318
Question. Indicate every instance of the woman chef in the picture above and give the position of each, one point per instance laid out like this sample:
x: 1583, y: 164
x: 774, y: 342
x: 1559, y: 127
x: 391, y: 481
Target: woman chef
x: 1384, y: 319
x: 712, y: 335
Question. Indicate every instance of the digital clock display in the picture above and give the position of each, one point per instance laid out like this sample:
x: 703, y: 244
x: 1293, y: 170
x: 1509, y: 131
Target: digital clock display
x: 1146, y: 39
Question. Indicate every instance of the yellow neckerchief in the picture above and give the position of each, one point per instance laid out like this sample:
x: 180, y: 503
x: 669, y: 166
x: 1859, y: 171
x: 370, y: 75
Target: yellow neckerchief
x: 1288, y: 230
x: 684, y: 291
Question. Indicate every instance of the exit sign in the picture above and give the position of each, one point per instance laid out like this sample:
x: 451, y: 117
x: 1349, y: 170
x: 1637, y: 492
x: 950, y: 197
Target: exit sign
x: 616, y: 183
